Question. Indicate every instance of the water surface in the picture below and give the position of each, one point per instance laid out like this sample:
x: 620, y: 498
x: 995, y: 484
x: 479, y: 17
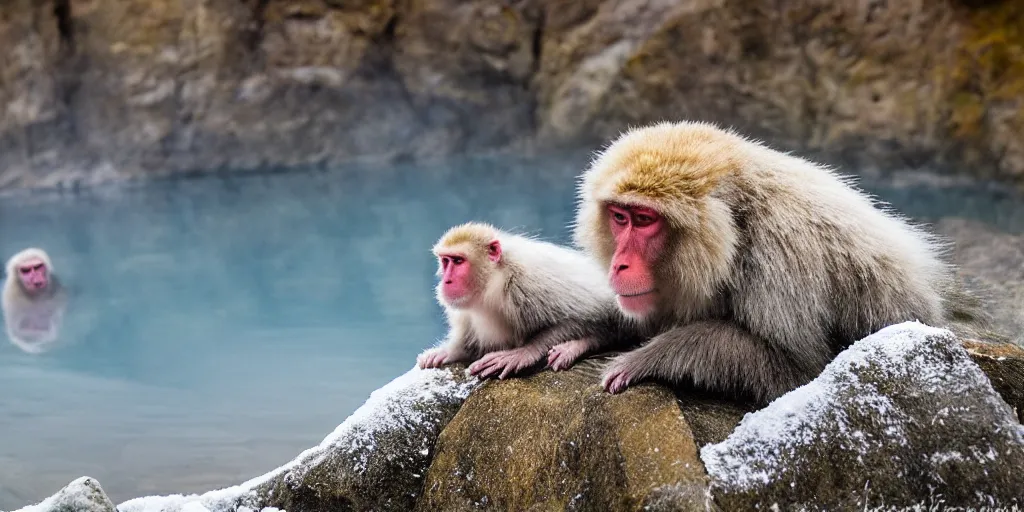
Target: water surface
x: 219, y: 326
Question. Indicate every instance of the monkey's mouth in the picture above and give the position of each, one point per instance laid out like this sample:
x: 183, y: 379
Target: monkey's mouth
x: 638, y: 294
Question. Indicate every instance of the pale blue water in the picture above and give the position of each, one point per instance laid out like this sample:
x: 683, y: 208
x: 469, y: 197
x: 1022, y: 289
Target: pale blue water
x: 217, y: 327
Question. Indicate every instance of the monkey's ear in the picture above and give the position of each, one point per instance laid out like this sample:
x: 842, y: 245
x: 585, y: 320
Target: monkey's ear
x: 494, y: 251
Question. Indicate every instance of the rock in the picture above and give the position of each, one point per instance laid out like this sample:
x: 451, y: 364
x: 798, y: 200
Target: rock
x: 832, y: 78
x: 1003, y: 363
x: 557, y: 441
x: 119, y: 89
x: 375, y: 460
x: 82, y: 495
x: 898, y: 412
x: 902, y: 418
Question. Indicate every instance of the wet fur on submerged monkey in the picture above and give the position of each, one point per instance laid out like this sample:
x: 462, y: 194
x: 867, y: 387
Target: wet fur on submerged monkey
x: 33, y: 301
x: 763, y: 265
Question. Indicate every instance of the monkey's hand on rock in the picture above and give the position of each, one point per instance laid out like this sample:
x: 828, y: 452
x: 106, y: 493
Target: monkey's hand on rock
x: 506, y: 362
x: 618, y: 376
x: 563, y: 355
x: 433, y: 358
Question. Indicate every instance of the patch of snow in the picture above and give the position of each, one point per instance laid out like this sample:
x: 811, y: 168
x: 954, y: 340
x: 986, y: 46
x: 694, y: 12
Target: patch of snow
x: 388, y: 408
x: 762, y: 443
x: 82, y: 495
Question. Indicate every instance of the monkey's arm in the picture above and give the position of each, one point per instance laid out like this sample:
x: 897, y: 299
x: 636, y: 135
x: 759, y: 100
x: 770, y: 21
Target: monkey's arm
x: 503, y: 363
x: 581, y: 334
x: 715, y: 355
x: 612, y: 334
x: 458, y: 346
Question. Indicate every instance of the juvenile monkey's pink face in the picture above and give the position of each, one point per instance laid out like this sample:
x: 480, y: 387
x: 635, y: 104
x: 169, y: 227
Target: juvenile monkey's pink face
x: 456, y: 278
x: 459, y: 286
x: 639, y: 234
x: 34, y: 275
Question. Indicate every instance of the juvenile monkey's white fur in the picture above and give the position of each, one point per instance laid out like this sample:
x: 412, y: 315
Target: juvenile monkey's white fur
x: 536, y: 296
x: 772, y: 265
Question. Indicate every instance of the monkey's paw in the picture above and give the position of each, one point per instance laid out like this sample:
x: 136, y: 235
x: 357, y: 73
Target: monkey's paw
x: 563, y: 355
x: 617, y: 378
x: 506, y: 362
x: 433, y: 358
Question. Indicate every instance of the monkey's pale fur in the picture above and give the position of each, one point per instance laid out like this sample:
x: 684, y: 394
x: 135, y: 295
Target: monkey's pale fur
x: 539, y: 294
x: 773, y: 264
x: 24, y: 313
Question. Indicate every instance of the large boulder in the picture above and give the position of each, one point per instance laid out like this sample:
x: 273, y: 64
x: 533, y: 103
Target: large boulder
x: 903, y: 418
x: 107, y: 89
x: 557, y: 441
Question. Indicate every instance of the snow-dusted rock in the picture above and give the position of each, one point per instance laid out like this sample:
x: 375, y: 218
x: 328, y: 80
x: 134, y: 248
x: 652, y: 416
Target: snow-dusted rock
x: 902, y: 418
x: 373, y: 461
x: 82, y: 495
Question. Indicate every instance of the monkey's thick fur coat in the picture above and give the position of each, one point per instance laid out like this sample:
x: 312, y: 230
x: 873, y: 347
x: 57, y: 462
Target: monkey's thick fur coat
x: 539, y: 294
x: 773, y: 263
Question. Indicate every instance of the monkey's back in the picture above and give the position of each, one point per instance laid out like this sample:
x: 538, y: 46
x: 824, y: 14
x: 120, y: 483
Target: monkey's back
x: 550, y: 283
x: 826, y: 257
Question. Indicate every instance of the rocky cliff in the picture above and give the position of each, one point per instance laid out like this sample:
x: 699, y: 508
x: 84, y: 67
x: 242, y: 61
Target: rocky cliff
x: 93, y: 90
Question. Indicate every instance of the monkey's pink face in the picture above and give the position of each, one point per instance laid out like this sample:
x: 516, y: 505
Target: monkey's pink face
x: 459, y: 286
x: 33, y: 275
x: 639, y: 234
x: 456, y: 278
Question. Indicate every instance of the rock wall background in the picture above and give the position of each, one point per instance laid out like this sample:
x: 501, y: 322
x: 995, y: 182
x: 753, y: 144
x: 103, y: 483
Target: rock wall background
x: 92, y: 90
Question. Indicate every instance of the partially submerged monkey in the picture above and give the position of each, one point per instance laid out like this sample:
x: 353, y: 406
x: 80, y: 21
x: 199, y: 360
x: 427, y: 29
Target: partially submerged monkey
x: 509, y: 299
x: 33, y: 301
x: 751, y: 268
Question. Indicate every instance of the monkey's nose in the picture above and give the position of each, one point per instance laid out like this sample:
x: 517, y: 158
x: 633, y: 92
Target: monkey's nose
x: 448, y: 281
x: 620, y: 268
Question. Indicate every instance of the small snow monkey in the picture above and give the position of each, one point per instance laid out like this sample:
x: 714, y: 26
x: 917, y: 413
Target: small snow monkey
x: 752, y: 268
x: 33, y: 301
x: 509, y: 299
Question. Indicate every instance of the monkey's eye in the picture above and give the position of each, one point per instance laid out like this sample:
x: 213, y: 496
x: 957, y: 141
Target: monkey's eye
x: 618, y: 218
x: 25, y: 270
x: 643, y: 220
x: 457, y: 260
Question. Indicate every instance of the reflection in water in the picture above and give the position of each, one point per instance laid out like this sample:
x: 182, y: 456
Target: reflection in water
x: 33, y: 301
x: 220, y: 326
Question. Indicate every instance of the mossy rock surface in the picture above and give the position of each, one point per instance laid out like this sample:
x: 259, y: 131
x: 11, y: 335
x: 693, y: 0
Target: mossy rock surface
x: 557, y: 441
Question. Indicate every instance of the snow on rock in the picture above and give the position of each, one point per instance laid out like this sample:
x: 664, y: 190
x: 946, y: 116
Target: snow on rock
x: 82, y: 495
x: 903, y: 417
x: 368, y: 460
